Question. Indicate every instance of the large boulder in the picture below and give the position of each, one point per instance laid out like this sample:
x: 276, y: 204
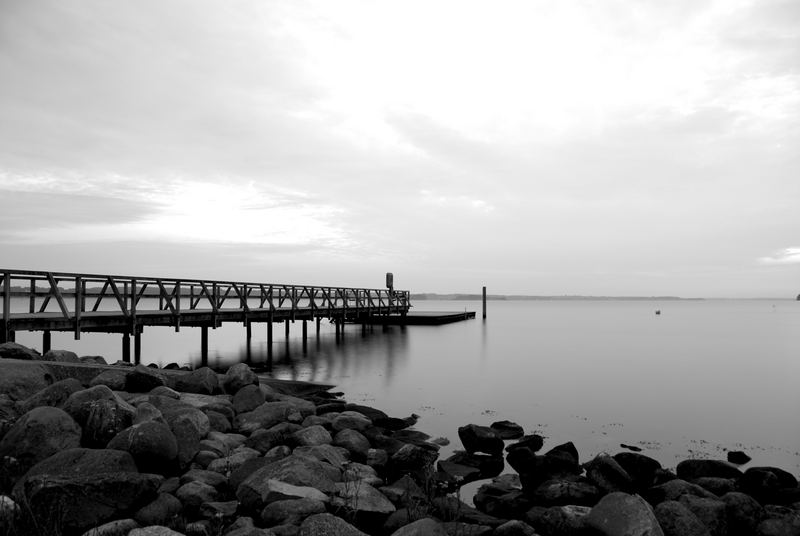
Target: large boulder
x: 691, y: 469
x: 361, y: 497
x: 152, y: 445
x: 61, y: 356
x: 237, y: 377
x: 266, y: 415
x: 608, y: 475
x: 21, y: 380
x: 53, y: 395
x: 326, y: 525
x: 13, y: 350
x: 144, y: 379
x: 100, y: 413
x: 508, y: 429
x: 477, y: 438
x: 621, y: 514
x: 201, y: 381
x: 295, y: 470
x: 163, y: 510
x: 677, y: 520
x: 114, y: 379
x: 74, y: 504
x: 190, y: 426
x: 248, y: 398
x: 744, y: 513
x: 711, y: 512
x: 642, y: 469
x: 39, y: 434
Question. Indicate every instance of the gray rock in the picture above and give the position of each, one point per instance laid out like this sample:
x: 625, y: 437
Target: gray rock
x: 457, y: 528
x: 263, y: 440
x: 559, y: 520
x: 361, y: 497
x: 248, y: 398
x: 716, y: 485
x: 120, y: 527
x: 211, y: 478
x: 711, y: 512
x: 147, y: 412
x: 163, y: 390
x: 20, y: 382
x: 354, y: 441
x: 13, y: 350
x: 691, y: 469
x: 237, y: 377
x: 155, y: 530
x: 53, y: 395
x: 477, y: 438
x: 143, y: 379
x: 295, y: 470
x: 404, y: 492
x: 743, y: 513
x: 677, y: 520
x: 422, y: 527
x: 608, y: 475
x: 114, y: 379
x: 152, y: 444
x: 94, y: 359
x: 200, y: 381
x: 231, y: 463
x: 674, y: 489
x: 219, y: 510
x: 621, y: 514
x: 61, y: 356
x: 514, y: 528
x: 642, y: 469
x: 164, y: 510
x: 351, y: 420
x: 218, y: 421
x: 335, y: 456
x: 266, y: 415
x: 82, y: 502
x: 195, y: 493
x: 377, y: 458
x: 291, y: 511
x: 507, y: 429
x: 561, y: 492
x: 273, y: 490
x: 39, y: 434
x: 328, y: 525
x: 314, y: 435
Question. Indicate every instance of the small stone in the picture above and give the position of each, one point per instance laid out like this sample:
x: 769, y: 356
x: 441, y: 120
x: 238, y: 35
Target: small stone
x: 738, y: 457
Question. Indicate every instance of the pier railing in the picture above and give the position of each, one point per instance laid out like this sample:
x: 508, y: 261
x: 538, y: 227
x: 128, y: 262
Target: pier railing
x: 59, y: 301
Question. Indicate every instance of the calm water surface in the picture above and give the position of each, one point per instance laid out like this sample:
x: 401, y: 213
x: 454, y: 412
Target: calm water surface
x: 701, y: 378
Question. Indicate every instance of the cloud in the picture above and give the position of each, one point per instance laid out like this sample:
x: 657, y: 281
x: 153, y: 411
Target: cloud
x: 785, y: 256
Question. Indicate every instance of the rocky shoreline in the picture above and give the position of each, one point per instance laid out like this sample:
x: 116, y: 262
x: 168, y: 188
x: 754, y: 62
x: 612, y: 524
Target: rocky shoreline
x: 140, y: 451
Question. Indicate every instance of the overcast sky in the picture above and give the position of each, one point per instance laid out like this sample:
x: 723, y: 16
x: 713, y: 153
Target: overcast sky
x: 623, y: 147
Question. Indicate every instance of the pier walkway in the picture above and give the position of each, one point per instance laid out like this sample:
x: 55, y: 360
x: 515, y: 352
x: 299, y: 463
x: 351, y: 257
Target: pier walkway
x: 57, y: 301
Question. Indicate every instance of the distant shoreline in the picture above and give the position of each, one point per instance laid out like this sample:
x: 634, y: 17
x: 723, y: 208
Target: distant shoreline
x: 518, y: 297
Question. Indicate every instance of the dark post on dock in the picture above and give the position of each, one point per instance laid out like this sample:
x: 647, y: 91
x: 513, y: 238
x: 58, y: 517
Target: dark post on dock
x: 484, y: 303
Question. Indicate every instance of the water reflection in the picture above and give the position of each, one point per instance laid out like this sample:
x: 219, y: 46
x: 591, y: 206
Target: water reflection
x: 324, y: 358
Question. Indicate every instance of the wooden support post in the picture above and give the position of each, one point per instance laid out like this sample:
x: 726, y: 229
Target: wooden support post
x: 46, y: 341
x: 249, y: 330
x: 137, y: 347
x: 484, y: 303
x: 287, y: 329
x: 12, y: 336
x: 319, y: 319
x: 269, y: 339
x: 79, y: 306
x: 305, y: 333
x: 4, y: 331
x: 204, y: 345
x: 126, y: 347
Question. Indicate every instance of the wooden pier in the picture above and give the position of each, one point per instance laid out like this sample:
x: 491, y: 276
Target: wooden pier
x: 79, y: 303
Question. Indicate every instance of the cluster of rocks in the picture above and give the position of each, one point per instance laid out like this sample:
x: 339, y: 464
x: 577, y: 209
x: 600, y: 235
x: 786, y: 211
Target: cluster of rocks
x: 139, y: 451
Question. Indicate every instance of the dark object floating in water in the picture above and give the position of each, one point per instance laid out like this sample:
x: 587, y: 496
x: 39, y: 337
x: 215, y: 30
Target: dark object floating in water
x: 630, y: 447
x: 738, y: 457
x: 658, y: 311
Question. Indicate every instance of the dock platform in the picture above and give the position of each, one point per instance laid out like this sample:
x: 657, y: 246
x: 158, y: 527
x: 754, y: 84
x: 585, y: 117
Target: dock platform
x: 421, y: 318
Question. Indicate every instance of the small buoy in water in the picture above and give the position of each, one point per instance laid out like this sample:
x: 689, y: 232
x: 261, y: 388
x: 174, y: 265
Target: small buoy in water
x: 658, y: 311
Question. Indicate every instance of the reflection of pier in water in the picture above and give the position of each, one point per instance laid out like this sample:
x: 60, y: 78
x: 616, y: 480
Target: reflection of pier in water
x: 326, y: 357
x: 79, y: 303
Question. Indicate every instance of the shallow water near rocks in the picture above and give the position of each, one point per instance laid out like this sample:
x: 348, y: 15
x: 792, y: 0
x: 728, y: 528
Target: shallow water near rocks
x: 701, y: 378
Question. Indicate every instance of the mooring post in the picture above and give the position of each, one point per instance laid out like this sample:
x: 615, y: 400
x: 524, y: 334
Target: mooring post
x: 484, y: 303
x: 126, y: 347
x: 46, y: 341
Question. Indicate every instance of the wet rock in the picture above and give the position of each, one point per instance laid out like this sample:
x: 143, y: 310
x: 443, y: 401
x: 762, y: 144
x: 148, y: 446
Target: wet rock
x: 195, y: 493
x: 717, y: 486
x: 147, y: 412
x: 9, y: 413
x: 503, y: 498
x: 238, y: 376
x: 351, y: 420
x: 404, y: 492
x: 711, y: 512
x: 608, y: 475
x: 229, y: 464
x: 114, y: 379
x: 743, y: 513
x: 201, y: 381
x: 218, y: 510
x: 677, y: 520
x: 152, y: 444
x: 163, y: 390
x: 691, y: 469
x: 263, y: 440
x: 39, y: 434
x: 326, y: 525
x: 218, y: 422
x: 61, y: 356
x: 457, y: 473
x: 154, y: 530
x: 335, y: 456
x: 53, y: 395
x: 534, y: 442
x: 190, y: 426
x: 507, y: 430
x: 212, y: 478
x: 738, y: 457
x: 377, y: 458
x: 457, y: 528
x: 477, y: 438
x: 165, y: 509
x: 449, y: 507
x: 13, y: 350
x: 81, y: 404
x: 488, y: 466
x: 413, y: 460
x: 295, y: 470
x: 291, y: 511
x: 143, y: 379
x: 105, y: 419
x: 621, y: 514
x: 94, y: 359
